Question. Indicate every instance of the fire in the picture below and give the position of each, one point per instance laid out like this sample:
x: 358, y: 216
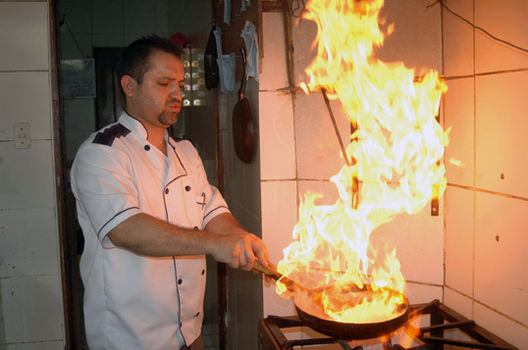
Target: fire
x: 395, y: 156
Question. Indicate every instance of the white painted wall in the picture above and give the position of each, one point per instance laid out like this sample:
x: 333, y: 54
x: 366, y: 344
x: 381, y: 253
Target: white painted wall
x: 487, y: 199
x: 30, y: 283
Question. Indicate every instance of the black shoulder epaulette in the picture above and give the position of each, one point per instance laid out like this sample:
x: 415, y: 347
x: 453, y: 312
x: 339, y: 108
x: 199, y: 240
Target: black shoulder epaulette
x: 107, y: 136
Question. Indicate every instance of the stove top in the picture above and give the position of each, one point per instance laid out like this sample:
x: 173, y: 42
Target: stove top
x: 445, y: 327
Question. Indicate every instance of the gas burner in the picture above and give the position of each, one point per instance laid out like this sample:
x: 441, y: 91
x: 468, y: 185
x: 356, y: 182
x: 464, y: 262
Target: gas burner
x: 442, y: 318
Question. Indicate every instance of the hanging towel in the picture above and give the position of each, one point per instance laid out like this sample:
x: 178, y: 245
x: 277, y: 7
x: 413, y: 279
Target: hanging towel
x: 226, y: 65
x: 249, y: 35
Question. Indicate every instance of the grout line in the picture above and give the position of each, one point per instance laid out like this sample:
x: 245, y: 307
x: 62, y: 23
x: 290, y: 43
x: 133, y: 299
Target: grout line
x: 487, y: 306
x: 30, y: 276
x: 424, y: 283
x: 500, y: 313
x: 444, y: 202
x: 25, y: 71
x: 473, y: 270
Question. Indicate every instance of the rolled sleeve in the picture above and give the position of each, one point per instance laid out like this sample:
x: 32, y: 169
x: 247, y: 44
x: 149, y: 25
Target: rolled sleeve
x: 215, y: 206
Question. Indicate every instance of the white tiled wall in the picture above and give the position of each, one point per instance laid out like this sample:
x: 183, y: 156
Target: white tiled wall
x: 417, y: 36
x: 472, y: 255
x: 458, y: 40
x: 501, y: 130
x: 486, y: 202
x: 278, y: 169
x: 505, y: 20
x: 500, y: 254
x: 30, y: 282
x: 316, y: 155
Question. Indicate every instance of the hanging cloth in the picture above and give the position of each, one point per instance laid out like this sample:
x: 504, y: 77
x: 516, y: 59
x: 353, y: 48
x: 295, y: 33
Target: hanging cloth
x: 226, y: 65
x: 249, y: 35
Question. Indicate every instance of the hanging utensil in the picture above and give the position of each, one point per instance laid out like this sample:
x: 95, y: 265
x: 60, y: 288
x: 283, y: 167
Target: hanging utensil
x: 243, y: 123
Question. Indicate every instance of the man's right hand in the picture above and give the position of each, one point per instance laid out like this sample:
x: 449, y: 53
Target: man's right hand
x: 239, y: 250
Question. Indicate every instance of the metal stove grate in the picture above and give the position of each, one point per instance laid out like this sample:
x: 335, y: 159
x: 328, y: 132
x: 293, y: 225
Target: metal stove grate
x: 442, y: 318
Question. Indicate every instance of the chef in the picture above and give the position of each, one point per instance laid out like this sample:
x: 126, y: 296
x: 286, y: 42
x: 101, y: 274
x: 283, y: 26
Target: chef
x: 149, y: 215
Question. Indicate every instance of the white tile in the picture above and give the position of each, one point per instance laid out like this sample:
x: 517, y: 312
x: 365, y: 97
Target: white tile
x: 501, y: 131
x: 417, y: 39
x: 279, y: 215
x: 25, y: 97
x: 24, y: 35
x: 140, y: 17
x: 303, y: 35
x: 27, y: 177
x: 418, y: 240
x: 491, y: 55
x: 459, y: 239
x: 458, y: 39
x: 326, y: 188
x: 318, y: 152
x: 277, y: 155
x: 275, y: 304
x: 458, y: 302
x: 29, y: 242
x: 500, y: 255
x: 505, y: 20
x: 274, y: 69
x: 509, y: 330
x: 107, y: 17
x: 79, y: 115
x: 460, y: 118
x: 49, y: 345
x: 419, y: 293
x: 32, y: 308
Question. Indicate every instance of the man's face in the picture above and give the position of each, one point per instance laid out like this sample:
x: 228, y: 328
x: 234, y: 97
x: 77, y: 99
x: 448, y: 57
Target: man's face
x: 159, y: 96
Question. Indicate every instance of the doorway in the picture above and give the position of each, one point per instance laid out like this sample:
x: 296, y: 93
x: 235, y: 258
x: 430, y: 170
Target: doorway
x: 94, y: 32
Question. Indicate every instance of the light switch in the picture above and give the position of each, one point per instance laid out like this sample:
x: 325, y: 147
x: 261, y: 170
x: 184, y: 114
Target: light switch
x: 22, y: 135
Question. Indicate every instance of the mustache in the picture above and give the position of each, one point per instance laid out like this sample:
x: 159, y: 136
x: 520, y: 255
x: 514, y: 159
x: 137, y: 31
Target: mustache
x: 174, y: 100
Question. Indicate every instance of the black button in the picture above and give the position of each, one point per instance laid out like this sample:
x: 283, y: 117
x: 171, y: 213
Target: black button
x: 187, y: 188
x: 180, y: 281
x: 197, y: 314
x: 147, y: 147
x: 203, y: 271
x: 196, y: 228
x: 166, y: 191
x: 181, y: 324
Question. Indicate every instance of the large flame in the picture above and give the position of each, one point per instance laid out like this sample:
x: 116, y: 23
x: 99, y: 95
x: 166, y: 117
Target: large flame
x: 395, y: 156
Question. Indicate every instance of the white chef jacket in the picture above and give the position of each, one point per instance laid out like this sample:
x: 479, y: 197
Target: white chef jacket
x: 132, y: 301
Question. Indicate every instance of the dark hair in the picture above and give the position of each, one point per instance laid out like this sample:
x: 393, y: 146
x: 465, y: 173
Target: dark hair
x: 134, y: 61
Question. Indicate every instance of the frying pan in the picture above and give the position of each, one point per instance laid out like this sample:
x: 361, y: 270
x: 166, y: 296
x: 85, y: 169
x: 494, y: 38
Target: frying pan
x: 243, y: 124
x: 335, y: 329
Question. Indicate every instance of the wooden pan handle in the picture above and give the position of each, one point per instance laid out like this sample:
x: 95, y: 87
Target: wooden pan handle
x: 267, y: 270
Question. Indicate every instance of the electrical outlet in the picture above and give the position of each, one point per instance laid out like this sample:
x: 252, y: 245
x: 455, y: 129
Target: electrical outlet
x: 22, y: 135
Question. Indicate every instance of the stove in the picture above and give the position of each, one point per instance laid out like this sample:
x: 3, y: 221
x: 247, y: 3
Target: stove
x: 446, y: 329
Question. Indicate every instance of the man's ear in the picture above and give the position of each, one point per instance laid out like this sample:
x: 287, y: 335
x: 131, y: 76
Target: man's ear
x: 128, y: 84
